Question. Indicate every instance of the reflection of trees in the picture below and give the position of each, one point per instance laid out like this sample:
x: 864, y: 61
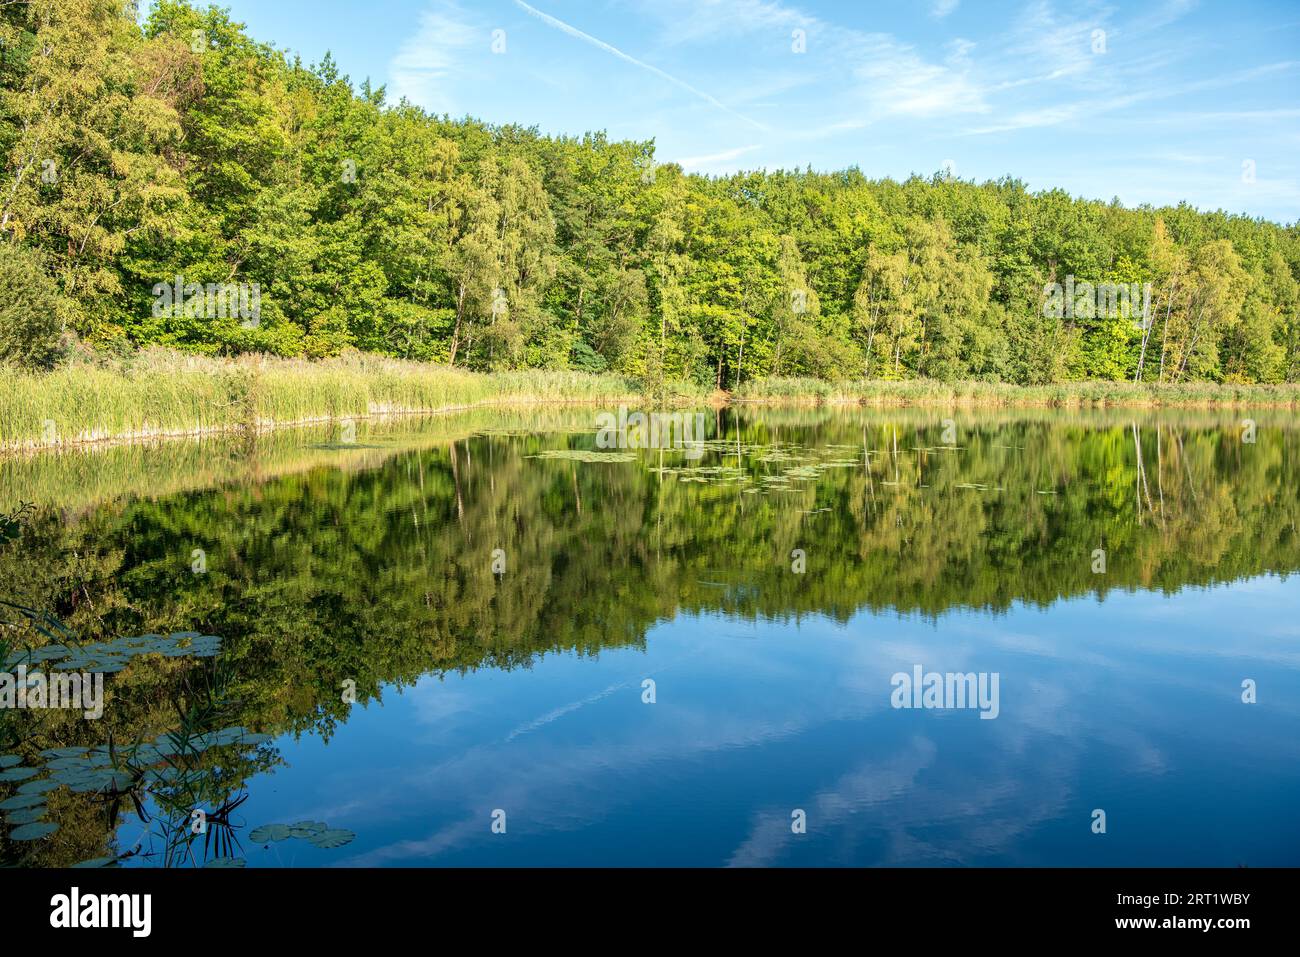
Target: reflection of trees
x: 384, y: 574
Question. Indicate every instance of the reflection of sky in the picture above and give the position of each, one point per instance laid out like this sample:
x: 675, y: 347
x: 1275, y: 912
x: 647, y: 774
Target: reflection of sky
x: 1130, y: 704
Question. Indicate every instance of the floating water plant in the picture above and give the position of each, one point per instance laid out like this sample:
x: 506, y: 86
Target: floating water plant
x: 583, y: 455
x: 33, y: 832
x: 317, y: 833
x: 21, y: 801
x: 111, y: 657
x: 26, y: 815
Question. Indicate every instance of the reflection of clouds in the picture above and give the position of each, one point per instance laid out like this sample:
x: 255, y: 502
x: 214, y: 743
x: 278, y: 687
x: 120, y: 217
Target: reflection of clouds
x: 561, y: 787
x: 436, y: 702
x: 861, y: 789
x: 1100, y: 694
x: 557, y: 713
x: 1041, y: 646
x: 443, y: 839
x: 895, y: 804
x: 358, y: 804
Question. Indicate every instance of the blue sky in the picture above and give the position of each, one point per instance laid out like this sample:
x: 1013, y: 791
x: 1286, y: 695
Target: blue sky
x: 1151, y: 102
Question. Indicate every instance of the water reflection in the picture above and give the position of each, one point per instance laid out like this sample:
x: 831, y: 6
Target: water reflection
x: 1122, y: 574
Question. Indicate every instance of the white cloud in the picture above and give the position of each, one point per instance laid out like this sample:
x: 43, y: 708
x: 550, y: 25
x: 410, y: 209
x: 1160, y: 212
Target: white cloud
x: 714, y: 159
x: 884, y: 75
x: 895, y: 80
x: 693, y: 21
x: 942, y: 8
x: 431, y: 54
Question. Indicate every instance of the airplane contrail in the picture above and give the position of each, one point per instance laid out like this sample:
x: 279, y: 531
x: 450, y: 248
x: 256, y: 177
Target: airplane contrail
x: 588, y: 38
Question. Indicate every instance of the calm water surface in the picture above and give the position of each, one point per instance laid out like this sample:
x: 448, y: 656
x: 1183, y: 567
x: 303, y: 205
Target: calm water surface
x: 500, y: 604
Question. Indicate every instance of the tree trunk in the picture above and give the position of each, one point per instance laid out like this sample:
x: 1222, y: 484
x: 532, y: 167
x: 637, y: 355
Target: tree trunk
x: 740, y: 360
x: 1146, y: 337
x: 1164, y: 334
x: 460, y: 312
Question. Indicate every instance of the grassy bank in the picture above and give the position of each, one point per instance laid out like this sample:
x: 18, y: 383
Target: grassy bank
x: 162, y: 393
x: 1066, y: 395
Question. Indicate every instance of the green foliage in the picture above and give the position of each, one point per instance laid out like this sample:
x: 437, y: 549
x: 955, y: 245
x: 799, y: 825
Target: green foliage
x: 132, y: 157
x: 31, y: 327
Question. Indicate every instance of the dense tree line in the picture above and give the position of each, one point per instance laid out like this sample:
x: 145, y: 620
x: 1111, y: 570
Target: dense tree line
x: 183, y: 148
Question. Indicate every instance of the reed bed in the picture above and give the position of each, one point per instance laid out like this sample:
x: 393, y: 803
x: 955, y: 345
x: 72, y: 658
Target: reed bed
x: 162, y: 393
x: 159, y: 393
x: 1065, y: 395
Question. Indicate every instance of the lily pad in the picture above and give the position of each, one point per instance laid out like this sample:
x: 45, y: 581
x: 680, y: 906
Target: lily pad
x: 308, y: 829
x: 19, y: 801
x: 26, y: 815
x: 582, y: 455
x: 228, y: 736
x: 68, y: 764
x: 65, y: 752
x: 167, y: 776
x: 270, y: 832
x: 95, y: 862
x: 332, y: 838
x: 118, y: 780
x: 91, y: 783
x: 9, y: 760
x: 223, y: 862
x: 18, y: 774
x: 43, y: 786
x: 33, y: 832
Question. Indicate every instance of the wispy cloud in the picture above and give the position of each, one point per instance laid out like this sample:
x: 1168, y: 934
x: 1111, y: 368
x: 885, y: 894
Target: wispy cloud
x: 615, y: 51
x: 874, y: 73
x: 431, y: 54
x: 895, y: 79
x: 694, y: 21
x: 1091, y: 109
x: 941, y: 8
x: 714, y: 159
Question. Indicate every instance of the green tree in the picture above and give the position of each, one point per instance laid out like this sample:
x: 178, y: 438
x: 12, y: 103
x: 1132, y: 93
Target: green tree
x: 31, y: 311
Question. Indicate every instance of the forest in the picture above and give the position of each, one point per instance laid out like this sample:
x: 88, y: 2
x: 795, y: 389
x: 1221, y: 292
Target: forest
x: 177, y: 152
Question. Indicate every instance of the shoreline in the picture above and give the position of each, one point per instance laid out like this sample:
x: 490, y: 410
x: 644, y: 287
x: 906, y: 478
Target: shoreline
x: 265, y: 427
x: 1070, y: 395
x: 163, y: 396
x: 1028, y: 402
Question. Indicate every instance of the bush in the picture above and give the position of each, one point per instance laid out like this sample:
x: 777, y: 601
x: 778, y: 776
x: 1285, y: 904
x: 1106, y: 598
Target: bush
x: 31, y: 329
x: 586, y: 359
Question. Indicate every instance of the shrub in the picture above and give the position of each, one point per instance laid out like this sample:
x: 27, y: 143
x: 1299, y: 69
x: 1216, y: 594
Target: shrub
x: 31, y: 328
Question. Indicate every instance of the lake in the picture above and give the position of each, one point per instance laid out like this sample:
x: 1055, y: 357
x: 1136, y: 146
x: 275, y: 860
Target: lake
x: 485, y: 639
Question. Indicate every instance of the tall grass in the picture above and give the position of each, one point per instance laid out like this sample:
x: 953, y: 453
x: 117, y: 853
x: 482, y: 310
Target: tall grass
x: 159, y: 393
x: 163, y: 393
x: 1068, y: 394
